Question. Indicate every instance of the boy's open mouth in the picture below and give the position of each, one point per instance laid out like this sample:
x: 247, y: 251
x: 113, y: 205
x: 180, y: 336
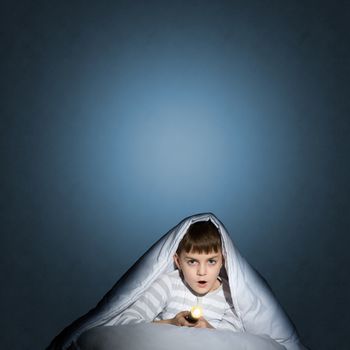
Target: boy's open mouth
x: 202, y: 282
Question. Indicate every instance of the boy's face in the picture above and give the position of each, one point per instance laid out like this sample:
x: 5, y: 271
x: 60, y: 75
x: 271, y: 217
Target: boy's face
x: 200, y: 271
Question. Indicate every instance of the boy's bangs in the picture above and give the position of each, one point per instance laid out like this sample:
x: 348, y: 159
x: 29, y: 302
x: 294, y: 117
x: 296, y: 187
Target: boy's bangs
x: 202, y: 247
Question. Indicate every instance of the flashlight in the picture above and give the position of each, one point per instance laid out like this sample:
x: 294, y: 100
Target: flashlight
x: 195, y: 314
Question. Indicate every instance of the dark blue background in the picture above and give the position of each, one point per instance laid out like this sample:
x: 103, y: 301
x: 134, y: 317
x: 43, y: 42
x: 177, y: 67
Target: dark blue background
x: 120, y: 118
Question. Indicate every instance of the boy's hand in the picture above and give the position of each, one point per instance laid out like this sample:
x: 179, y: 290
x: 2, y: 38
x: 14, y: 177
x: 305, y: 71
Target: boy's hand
x: 180, y: 320
x: 202, y: 323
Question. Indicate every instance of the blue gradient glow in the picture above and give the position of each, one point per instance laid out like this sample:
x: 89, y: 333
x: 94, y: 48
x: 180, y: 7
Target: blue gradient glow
x: 182, y: 134
x: 123, y: 117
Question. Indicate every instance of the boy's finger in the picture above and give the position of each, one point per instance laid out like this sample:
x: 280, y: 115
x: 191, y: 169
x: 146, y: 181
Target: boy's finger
x: 187, y: 323
x: 183, y: 313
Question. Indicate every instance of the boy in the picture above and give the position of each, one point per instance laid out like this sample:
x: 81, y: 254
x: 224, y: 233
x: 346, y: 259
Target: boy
x: 148, y: 292
x: 196, y: 281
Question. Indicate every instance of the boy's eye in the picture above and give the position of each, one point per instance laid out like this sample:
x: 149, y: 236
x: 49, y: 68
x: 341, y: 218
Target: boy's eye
x: 191, y: 262
x: 212, y: 262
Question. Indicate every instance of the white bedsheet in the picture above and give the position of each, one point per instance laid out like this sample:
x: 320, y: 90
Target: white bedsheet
x: 150, y: 336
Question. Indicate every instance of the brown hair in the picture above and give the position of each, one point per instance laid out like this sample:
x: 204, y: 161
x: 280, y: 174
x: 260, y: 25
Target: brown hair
x: 201, y: 237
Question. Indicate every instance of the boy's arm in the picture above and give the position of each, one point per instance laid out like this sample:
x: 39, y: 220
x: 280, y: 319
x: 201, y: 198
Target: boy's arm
x: 148, y: 306
x: 229, y: 321
x: 179, y: 320
x: 170, y: 321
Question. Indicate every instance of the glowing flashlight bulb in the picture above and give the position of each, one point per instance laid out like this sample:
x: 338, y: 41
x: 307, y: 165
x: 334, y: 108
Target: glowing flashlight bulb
x: 195, y: 313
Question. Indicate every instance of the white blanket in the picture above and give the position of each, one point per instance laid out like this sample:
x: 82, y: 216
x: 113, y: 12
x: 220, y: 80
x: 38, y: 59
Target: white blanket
x: 258, y: 310
x: 149, y: 336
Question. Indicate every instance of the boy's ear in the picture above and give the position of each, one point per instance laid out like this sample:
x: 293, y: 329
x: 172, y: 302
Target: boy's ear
x: 176, y: 261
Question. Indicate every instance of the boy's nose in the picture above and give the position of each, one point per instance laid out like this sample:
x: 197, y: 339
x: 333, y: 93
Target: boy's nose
x: 202, y: 270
